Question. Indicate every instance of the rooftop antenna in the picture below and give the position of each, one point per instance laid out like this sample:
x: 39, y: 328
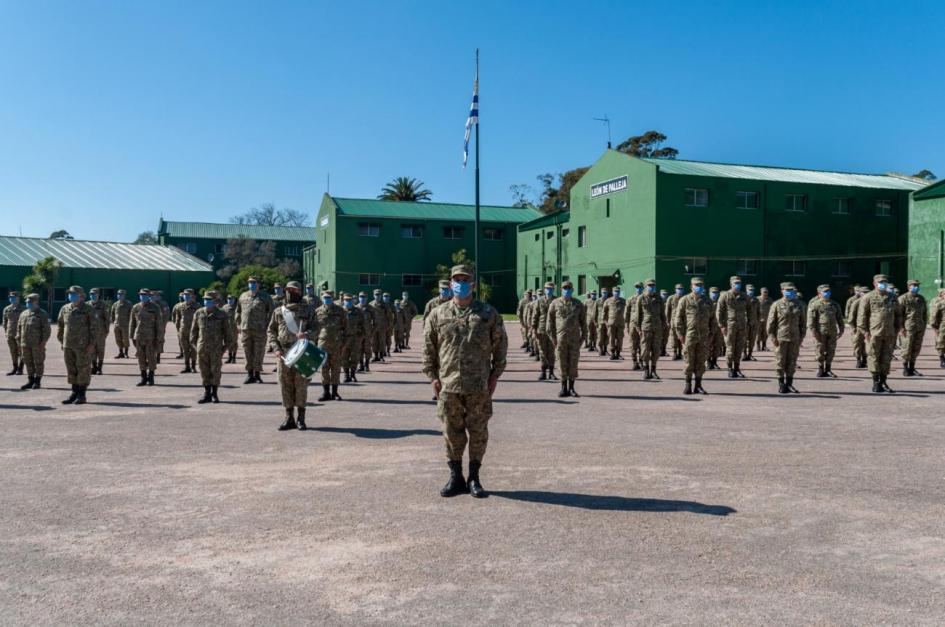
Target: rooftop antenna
x: 328, y: 183
x: 606, y: 120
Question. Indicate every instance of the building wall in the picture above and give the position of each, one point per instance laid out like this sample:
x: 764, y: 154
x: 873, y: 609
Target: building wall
x: 544, y: 253
x: 203, y: 248
x: 926, y: 242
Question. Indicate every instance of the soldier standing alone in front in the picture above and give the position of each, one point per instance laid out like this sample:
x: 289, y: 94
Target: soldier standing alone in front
x: 32, y: 333
x: 76, y: 333
x: 210, y: 335
x: 567, y: 328
x: 915, y: 317
x: 11, y: 315
x: 879, y: 320
x: 464, y: 354
x: 825, y: 321
x: 253, y: 311
x: 120, y: 317
x: 282, y: 336
x: 146, y: 329
x: 692, y: 323
x: 787, y: 326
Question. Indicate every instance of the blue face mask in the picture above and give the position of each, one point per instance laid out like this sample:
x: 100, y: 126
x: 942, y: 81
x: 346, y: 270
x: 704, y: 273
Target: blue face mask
x: 386, y: 299
x: 549, y: 292
x: 697, y: 289
x: 327, y: 300
x: 638, y: 290
x: 737, y: 287
x: 121, y: 297
x: 253, y: 286
x: 882, y: 286
x: 309, y: 291
x: 186, y: 298
x: 826, y: 294
x: 144, y: 298
x: 791, y: 294
x: 209, y: 303
x: 12, y: 300
x: 751, y: 292
x: 679, y: 292
x: 650, y: 289
x: 604, y: 295
x: 567, y: 292
x: 593, y: 296
x: 94, y: 297
x: 279, y: 291
x: 230, y: 301
x: 461, y: 289
x: 445, y: 292
x: 362, y: 300
x: 714, y: 295
x: 914, y: 289
x: 349, y: 304
x: 73, y: 297
x: 33, y: 305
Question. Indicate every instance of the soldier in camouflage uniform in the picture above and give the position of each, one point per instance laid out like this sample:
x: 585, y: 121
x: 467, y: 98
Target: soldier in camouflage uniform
x: 764, y: 308
x: 519, y: 313
x: 650, y: 320
x: 253, y: 311
x: 825, y: 322
x: 915, y: 317
x: 146, y: 329
x: 603, y: 336
x: 590, y: 314
x: 670, y: 307
x: 756, y: 325
x: 852, y: 314
x: 230, y: 310
x: 735, y: 316
x: 531, y: 313
x: 787, y: 325
x: 464, y: 354
x: 278, y: 295
x: 100, y: 309
x: 282, y: 337
x: 368, y: 315
x: 210, y: 334
x: 613, y: 317
x: 32, y: 333
x: 567, y: 328
x: 11, y: 315
x: 76, y: 333
x: 444, y: 296
x: 382, y: 321
x: 175, y: 320
x: 184, y: 322
x: 879, y: 319
x: 391, y: 322
x: 353, y: 340
x: 309, y: 298
x: 664, y: 296
x: 331, y: 320
x: 398, y: 326
x: 165, y: 318
x: 121, y: 316
x: 936, y: 317
x: 717, y: 342
x: 692, y: 323
x: 410, y: 312
x: 630, y: 323
x: 546, y: 348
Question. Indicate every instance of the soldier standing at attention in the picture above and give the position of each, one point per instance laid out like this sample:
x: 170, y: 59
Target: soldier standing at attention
x: 353, y: 341
x: 121, y: 316
x: 879, y: 320
x: 755, y: 325
x: 519, y: 313
x: 186, y: 320
x: 664, y: 296
x: 210, y: 334
x: 330, y: 320
x: 230, y: 310
x: 614, y: 311
x: 391, y: 323
x: 76, y: 333
x: 100, y: 309
x: 464, y: 354
x: 590, y: 315
x: 825, y: 321
x: 11, y: 315
x: 146, y: 330
x: 410, y: 312
x: 32, y: 333
x: 278, y: 295
x: 175, y: 320
x: 523, y: 322
x: 282, y: 337
x: 603, y: 337
x: 253, y: 310
x: 398, y: 326
x: 787, y: 326
x: 540, y: 326
x: 671, y: 303
x: 629, y: 315
x: 650, y: 320
x: 367, y: 337
x: 936, y: 317
x: 381, y: 324
x: 716, y: 343
x: 853, y: 312
x: 915, y: 317
x: 734, y: 315
x: 692, y: 321
x: 444, y: 296
x: 567, y: 328
x: 764, y: 308
x: 530, y: 313
x: 309, y: 298
x: 165, y: 317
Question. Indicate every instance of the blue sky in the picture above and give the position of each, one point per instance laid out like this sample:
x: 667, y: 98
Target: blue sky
x: 114, y: 113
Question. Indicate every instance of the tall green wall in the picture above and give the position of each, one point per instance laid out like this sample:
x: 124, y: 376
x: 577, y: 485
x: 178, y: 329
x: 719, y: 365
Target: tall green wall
x: 926, y: 238
x: 544, y: 248
x: 207, y: 247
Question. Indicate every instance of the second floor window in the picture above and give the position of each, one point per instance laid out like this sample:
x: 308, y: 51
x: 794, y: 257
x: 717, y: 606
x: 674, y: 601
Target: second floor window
x: 292, y: 251
x: 369, y: 279
x: 696, y: 265
x: 411, y: 231
x: 841, y: 206
x: 582, y: 236
x: 453, y: 232
x: 795, y: 202
x: 369, y: 229
x: 696, y: 197
x: 746, y: 200
x: 884, y: 208
x: 797, y: 268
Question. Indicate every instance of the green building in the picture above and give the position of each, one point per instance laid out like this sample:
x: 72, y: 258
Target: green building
x: 927, y: 236
x: 207, y: 240
x: 631, y: 218
x: 107, y: 265
x: 364, y: 244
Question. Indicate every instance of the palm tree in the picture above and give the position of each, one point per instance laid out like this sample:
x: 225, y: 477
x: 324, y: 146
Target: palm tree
x: 405, y: 188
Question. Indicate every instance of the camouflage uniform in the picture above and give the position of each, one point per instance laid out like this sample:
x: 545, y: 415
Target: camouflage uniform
x: 664, y: 297
x: 398, y: 326
x: 253, y: 312
x: 210, y: 334
x: 692, y: 323
x: 278, y: 295
x: 825, y: 322
x: 331, y: 320
x: 603, y: 336
x: 76, y: 333
x: 567, y: 328
x: 391, y: 322
x: 787, y: 325
x: 11, y: 315
x: 670, y: 309
x: 309, y: 298
x: 165, y: 318
x: 353, y: 340
x: 184, y: 322
x: 121, y: 317
x: 368, y: 315
x: 436, y: 301
x: 590, y: 317
x: 614, y: 311
x: 409, y: 309
x: 756, y: 326
x: 293, y: 385
x: 936, y: 317
x: 32, y: 333
x: 100, y: 309
x: 146, y: 329
x: 531, y: 315
x: 879, y: 319
x: 629, y: 315
x: 546, y: 347
x: 858, y: 339
x: 520, y: 314
x: 650, y: 320
x: 735, y: 315
x: 382, y: 322
x: 915, y: 317
x: 764, y: 308
x: 716, y: 342
x: 230, y: 310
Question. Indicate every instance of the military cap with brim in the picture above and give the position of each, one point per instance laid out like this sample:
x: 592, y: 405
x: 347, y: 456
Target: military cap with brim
x: 734, y: 279
x: 638, y: 284
x: 386, y: 293
x: 189, y: 290
x: 76, y: 289
x: 145, y: 291
x: 714, y: 290
x: 878, y: 278
x: 823, y: 288
x: 364, y: 294
x: 550, y: 285
x: 680, y: 286
x: 913, y: 282
x: 787, y: 285
x: 445, y: 283
x: 567, y: 285
x: 650, y: 282
x: 347, y: 296
x: 215, y: 295
x: 94, y: 290
x: 377, y: 292
x: 293, y: 285
x: 462, y: 270
x: 696, y: 281
x: 328, y: 293
x: 122, y: 292
x: 33, y: 296
x: 749, y: 287
x: 252, y: 278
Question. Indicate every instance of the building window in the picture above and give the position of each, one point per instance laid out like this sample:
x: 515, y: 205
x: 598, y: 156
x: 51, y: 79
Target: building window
x: 582, y: 236
x: 369, y: 279
x: 746, y: 200
x: 536, y: 284
x: 59, y: 294
x: 696, y: 265
x: 565, y: 232
x: 219, y: 249
x: 537, y: 236
x: 795, y: 202
x: 884, y: 208
x: 549, y: 234
x: 369, y: 229
x: 746, y: 267
x: 697, y: 197
x: 608, y: 208
x: 411, y: 231
x: 412, y: 280
x: 189, y: 247
x: 492, y: 234
x: 318, y: 252
x: 797, y: 268
x: 453, y: 232
x: 841, y: 206
x: 292, y: 251
x: 582, y: 284
x: 841, y: 268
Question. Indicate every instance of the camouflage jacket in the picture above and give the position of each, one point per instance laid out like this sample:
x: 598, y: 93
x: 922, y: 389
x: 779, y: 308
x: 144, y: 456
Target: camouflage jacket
x: 367, y: 318
x: 147, y: 323
x: 211, y: 331
x: 848, y: 314
x: 631, y: 311
x: 354, y: 324
x: 733, y: 310
x: 121, y: 313
x: 331, y: 321
x: 614, y: 310
x: 824, y: 317
x: 104, y: 315
x: 409, y: 309
x: 280, y: 337
x: 693, y: 318
x: 464, y: 347
x: 566, y: 320
x: 77, y: 325
x: 601, y: 305
x: 253, y: 312
x: 33, y: 328
x: 651, y: 313
x: 764, y: 308
x: 11, y: 314
x: 915, y: 313
x: 520, y: 310
x: 787, y: 321
x: 853, y: 312
x: 670, y: 307
x: 879, y: 315
x: 383, y: 316
x: 230, y: 311
x: 937, y: 313
x: 590, y: 311
x: 540, y: 315
x: 432, y: 304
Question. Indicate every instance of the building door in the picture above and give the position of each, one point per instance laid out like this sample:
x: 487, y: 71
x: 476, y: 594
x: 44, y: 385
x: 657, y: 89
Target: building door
x: 606, y: 281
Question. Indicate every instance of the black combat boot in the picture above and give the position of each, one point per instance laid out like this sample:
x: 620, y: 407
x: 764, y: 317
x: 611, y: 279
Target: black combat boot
x: 301, y: 420
x: 475, y: 487
x: 186, y: 367
x: 564, y: 389
x: 456, y: 484
x: 915, y: 373
x: 257, y: 376
x: 347, y: 376
x: 250, y: 378
x: 334, y: 393
x: 941, y: 361
x: 551, y: 374
x: 354, y: 377
x: 637, y: 365
x: 905, y: 369
x: 36, y: 383
x: 877, y: 388
x: 213, y: 393
x: 646, y: 373
x: 677, y: 355
x: 571, y: 388
x: 326, y: 394
x: 72, y: 397
x: 80, y: 399
x: 179, y: 356
x: 367, y: 366
x: 688, y: 388
x: 731, y: 374
x: 150, y: 377
x: 361, y: 366
x: 820, y: 371
x: 544, y: 374
x: 144, y: 379
x: 537, y: 355
x: 29, y: 384
x: 207, y: 395
x: 782, y: 388
x: 289, y: 422
x: 653, y: 374
x: 886, y: 388
x: 789, y: 381
x: 698, y: 386
x: 100, y: 364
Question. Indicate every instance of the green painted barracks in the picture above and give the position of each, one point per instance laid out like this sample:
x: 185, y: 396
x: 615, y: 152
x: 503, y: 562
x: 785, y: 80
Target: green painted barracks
x: 927, y: 236
x: 633, y: 218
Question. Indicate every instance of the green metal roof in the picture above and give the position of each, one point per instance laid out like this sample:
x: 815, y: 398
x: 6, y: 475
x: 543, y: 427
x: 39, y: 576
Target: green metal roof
x: 26, y: 251
x: 370, y: 208
x: 561, y: 217
x: 786, y: 175
x: 935, y: 190
x: 210, y: 230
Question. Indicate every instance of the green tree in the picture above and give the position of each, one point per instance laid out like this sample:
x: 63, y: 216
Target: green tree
x: 60, y: 234
x: 146, y: 237
x: 405, y: 188
x: 457, y: 258
x: 649, y: 144
x: 555, y: 192
x: 43, y: 279
x: 267, y: 278
x: 925, y: 175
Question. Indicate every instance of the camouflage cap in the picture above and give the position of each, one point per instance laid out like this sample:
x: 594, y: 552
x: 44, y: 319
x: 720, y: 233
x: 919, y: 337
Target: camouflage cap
x: 364, y: 294
x: 76, y: 289
x: 764, y: 289
x: 13, y: 293
x: 189, y: 290
x: 463, y: 270
x: 122, y: 292
x: 347, y: 296
x: 444, y: 284
x: 787, y: 285
x: 913, y: 282
x: 550, y: 285
x: 292, y: 285
x: 387, y: 294
x: 377, y: 292
x: 328, y: 293
x: 749, y: 287
x: 680, y: 286
x: 650, y: 282
x: 280, y: 284
x: 397, y: 302
x: 94, y: 290
x: 252, y: 278
x: 567, y: 285
x: 823, y: 288
x: 145, y: 291
x: 309, y: 285
x: 528, y: 291
x: 713, y: 290
x: 32, y: 296
x: 638, y: 284
x: 877, y: 278
x: 215, y: 295
x: 696, y: 281
x: 735, y: 279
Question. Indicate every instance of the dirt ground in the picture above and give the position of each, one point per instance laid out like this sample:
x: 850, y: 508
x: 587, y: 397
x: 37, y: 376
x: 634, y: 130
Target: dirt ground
x: 630, y: 504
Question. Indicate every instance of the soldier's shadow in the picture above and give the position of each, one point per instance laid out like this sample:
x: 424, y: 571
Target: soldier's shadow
x: 613, y: 503
x: 33, y: 407
x: 377, y: 434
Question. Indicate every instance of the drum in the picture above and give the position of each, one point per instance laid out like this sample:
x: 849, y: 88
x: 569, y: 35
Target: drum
x: 306, y: 357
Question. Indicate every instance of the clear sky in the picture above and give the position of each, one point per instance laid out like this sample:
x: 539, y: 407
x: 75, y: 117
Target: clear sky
x: 114, y: 113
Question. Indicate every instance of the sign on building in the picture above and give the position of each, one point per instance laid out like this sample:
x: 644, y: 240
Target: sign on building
x: 608, y: 187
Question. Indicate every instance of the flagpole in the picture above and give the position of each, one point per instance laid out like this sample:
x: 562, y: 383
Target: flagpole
x: 476, y: 234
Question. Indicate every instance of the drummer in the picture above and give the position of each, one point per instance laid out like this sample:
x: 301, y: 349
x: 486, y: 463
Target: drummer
x: 291, y: 322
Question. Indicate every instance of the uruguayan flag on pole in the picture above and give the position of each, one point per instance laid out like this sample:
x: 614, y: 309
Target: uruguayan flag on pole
x: 473, y: 117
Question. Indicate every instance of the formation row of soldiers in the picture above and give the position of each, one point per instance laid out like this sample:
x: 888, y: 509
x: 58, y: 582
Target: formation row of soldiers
x: 733, y: 323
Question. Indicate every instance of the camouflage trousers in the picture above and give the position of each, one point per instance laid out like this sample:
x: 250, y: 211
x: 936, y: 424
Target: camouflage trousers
x: 940, y: 342
x: 231, y: 352
x: 121, y: 337
x: 14, y: 349
x: 785, y: 358
x: 602, y: 337
x: 254, y: 348
x: 592, y: 333
x: 880, y: 352
x: 677, y: 343
x: 859, y: 344
x: 188, y: 350
x: 750, y: 338
x: 210, y: 364
x: 147, y: 354
x: 100, y: 347
x: 912, y: 344
x: 465, y: 419
x: 568, y: 352
x: 407, y: 328
x: 695, y: 353
x: 547, y: 351
x: 351, y: 352
x: 367, y: 346
x: 826, y: 349
x: 735, y: 345
x: 636, y: 344
x: 294, y: 386
x: 331, y: 368
x: 651, y: 343
x: 78, y: 366
x: 35, y: 359
x: 718, y: 343
x: 399, y: 336
x: 664, y: 342
x: 380, y: 340
x: 615, y: 331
